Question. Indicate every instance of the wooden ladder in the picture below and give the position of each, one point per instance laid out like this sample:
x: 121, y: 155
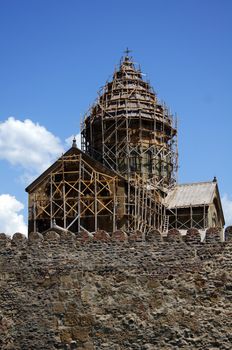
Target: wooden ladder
x: 166, y: 224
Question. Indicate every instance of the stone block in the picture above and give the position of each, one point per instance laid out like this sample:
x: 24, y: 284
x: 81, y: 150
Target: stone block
x: 35, y: 236
x: 84, y: 236
x: 67, y: 235
x: 80, y: 333
x: 88, y: 346
x: 51, y: 236
x: 212, y: 235
x: 153, y: 236
x: 136, y: 236
x: 173, y: 236
x: 119, y: 236
x: 228, y: 233
x: 86, y: 319
x: 58, y: 307
x: 65, y: 335
x: 71, y: 319
x: 19, y: 238
x: 4, y: 240
x: 101, y: 235
x: 192, y: 236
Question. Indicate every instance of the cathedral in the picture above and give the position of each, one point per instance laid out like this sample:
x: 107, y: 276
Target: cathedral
x: 124, y: 177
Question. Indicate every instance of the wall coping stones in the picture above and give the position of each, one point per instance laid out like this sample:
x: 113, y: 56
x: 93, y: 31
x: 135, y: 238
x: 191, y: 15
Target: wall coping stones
x: 119, y: 236
x: 4, y: 240
x: 67, y: 235
x: 213, y: 235
x: 4, y: 237
x: 228, y: 234
x: 51, y: 236
x: 101, y: 235
x: 153, y: 236
x: 35, y: 236
x: 137, y: 236
x: 173, y: 236
x: 84, y: 236
x: 19, y: 238
x: 192, y: 236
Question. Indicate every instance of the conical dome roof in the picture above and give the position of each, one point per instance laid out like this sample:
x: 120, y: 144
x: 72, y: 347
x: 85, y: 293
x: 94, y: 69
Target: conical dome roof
x: 129, y: 130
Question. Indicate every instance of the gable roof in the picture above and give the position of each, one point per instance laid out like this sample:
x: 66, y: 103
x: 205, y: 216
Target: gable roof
x: 72, y: 151
x: 194, y: 194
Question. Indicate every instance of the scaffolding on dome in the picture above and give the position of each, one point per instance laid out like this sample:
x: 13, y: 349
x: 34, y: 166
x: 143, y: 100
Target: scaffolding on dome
x: 125, y: 176
x: 127, y: 165
x: 130, y: 132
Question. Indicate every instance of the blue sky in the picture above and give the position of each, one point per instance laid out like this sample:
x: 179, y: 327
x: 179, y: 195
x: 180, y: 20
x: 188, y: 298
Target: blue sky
x: 56, y: 54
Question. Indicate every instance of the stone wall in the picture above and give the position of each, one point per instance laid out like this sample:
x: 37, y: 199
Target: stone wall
x: 61, y: 291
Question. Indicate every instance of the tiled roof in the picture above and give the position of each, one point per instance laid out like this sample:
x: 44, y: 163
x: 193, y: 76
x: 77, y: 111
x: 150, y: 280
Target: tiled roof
x: 194, y: 194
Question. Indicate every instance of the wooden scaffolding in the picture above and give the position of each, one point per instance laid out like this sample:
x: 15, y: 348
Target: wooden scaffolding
x: 78, y: 194
x: 187, y: 217
x: 75, y: 196
x: 134, y: 139
x: 130, y: 132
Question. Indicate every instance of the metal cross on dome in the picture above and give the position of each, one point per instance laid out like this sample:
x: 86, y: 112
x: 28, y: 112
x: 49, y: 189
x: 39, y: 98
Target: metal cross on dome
x: 127, y: 51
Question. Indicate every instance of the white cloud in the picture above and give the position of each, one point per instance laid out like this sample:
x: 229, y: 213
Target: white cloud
x: 69, y: 140
x: 32, y: 148
x: 28, y: 145
x: 10, y: 219
x: 227, y: 209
